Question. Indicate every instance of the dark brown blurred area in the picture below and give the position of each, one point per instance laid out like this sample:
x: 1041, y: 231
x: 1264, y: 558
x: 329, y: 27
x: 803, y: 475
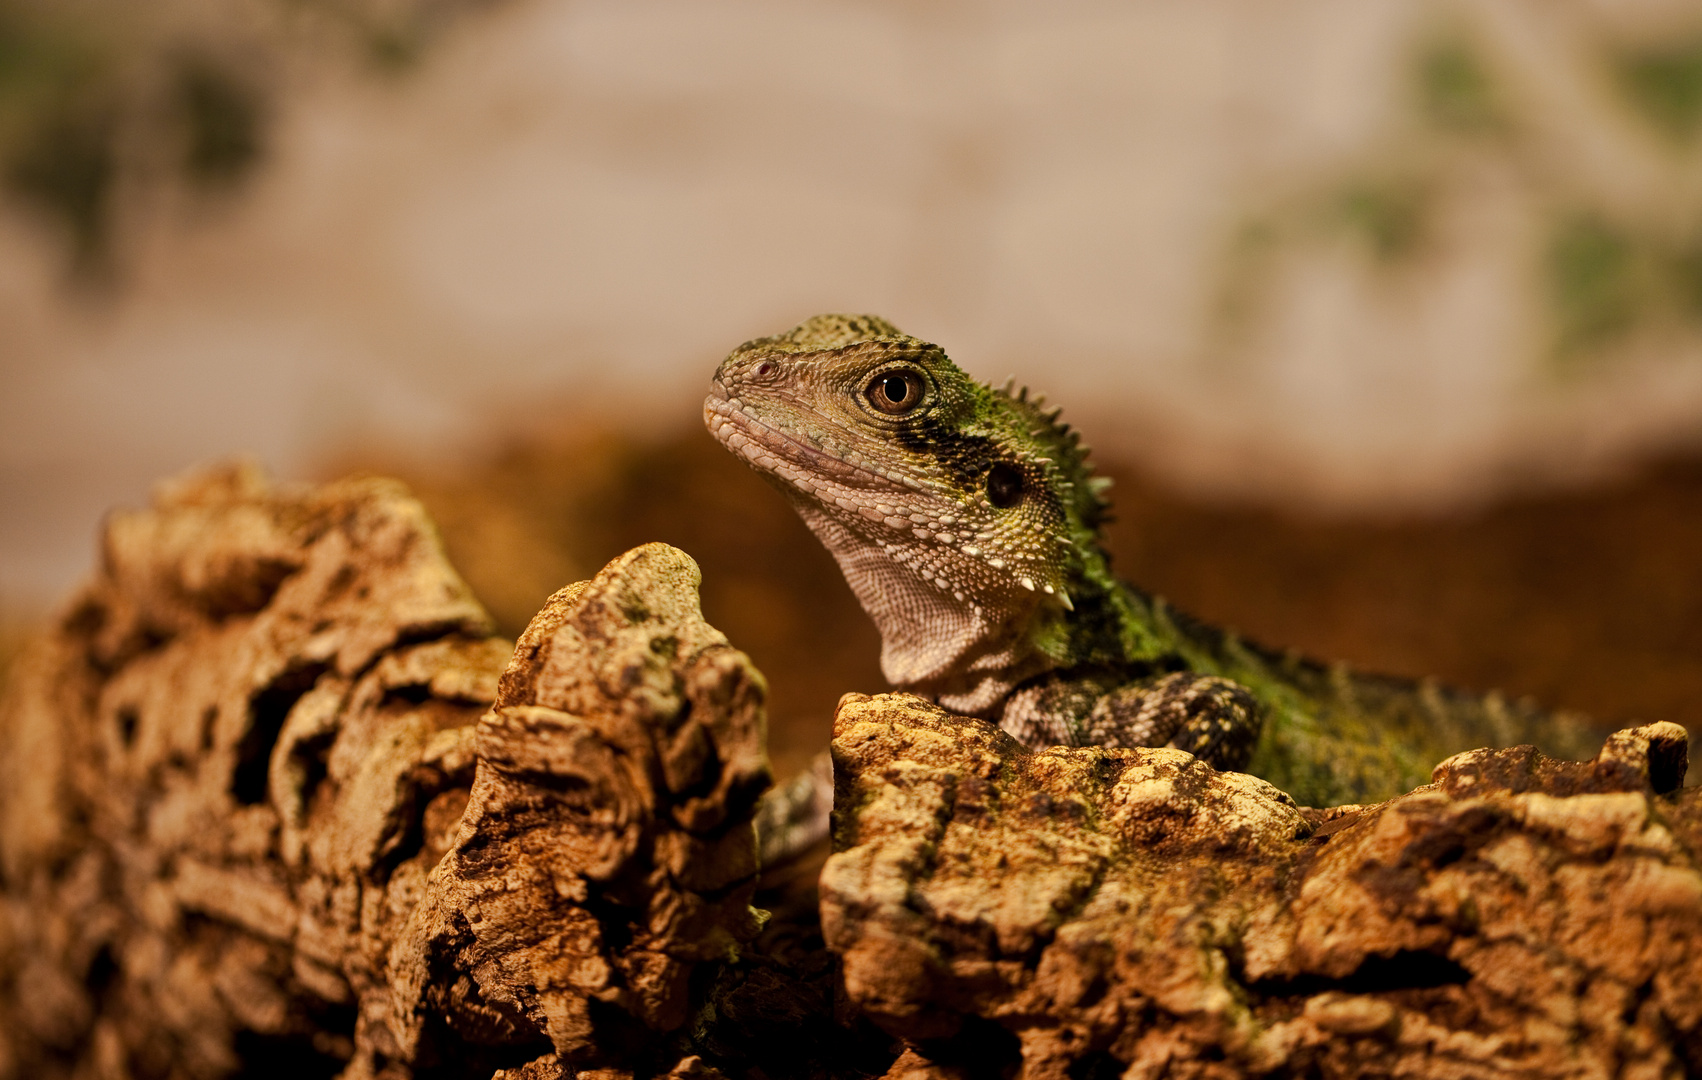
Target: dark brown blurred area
x: 1588, y: 599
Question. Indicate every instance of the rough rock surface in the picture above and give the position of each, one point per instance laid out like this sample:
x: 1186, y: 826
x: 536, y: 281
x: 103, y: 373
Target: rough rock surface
x: 251, y: 820
x: 1134, y: 913
x: 227, y: 774
x: 608, y: 846
x: 274, y: 801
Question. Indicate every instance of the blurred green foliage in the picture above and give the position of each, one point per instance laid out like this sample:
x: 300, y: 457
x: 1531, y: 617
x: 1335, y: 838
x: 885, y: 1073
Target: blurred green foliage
x: 1390, y: 215
x: 1455, y: 88
x: 83, y: 109
x: 1665, y: 86
x: 1593, y: 280
x: 105, y: 94
x: 56, y: 133
x: 222, y: 121
x: 1687, y: 279
x: 391, y: 35
x: 1606, y: 280
x: 1608, y: 269
x: 65, y: 164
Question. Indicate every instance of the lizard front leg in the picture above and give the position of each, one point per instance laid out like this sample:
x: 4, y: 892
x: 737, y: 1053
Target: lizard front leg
x: 1214, y: 719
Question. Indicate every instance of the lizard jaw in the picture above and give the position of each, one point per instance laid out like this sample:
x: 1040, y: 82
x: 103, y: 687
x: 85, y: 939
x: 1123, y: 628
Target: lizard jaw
x: 787, y: 458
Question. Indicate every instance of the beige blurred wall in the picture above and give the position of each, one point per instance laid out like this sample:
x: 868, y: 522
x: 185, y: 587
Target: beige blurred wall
x: 1226, y: 234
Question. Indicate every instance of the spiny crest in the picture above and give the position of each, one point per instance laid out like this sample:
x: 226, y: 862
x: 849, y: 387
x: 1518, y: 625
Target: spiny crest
x: 1062, y: 444
x: 825, y: 332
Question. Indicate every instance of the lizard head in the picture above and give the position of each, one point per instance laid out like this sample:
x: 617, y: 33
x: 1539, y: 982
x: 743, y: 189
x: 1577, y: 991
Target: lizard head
x: 960, y: 514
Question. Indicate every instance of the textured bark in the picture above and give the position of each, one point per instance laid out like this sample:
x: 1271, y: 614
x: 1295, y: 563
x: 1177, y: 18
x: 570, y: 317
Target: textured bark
x: 253, y: 821
x: 1134, y: 913
x: 227, y: 775
x: 608, y: 846
x: 275, y: 801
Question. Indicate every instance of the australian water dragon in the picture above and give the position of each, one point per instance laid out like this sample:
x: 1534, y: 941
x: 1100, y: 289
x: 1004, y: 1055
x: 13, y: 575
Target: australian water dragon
x: 967, y: 521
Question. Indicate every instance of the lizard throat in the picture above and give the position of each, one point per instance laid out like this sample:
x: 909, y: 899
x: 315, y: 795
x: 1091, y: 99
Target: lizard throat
x: 935, y: 640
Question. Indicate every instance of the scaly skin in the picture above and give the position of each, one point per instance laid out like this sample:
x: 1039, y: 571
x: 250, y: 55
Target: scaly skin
x: 966, y: 520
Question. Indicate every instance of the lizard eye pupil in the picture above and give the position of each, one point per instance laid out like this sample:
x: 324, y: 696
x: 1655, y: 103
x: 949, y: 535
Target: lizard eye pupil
x: 896, y: 392
x: 1004, y: 485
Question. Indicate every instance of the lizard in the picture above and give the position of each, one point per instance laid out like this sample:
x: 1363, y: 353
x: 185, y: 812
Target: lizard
x: 967, y: 521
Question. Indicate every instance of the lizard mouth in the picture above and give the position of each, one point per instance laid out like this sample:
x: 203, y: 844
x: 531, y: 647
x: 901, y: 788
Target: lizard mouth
x: 781, y: 454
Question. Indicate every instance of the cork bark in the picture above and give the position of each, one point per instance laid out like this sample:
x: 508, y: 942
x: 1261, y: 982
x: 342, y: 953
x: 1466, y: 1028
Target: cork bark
x: 1135, y: 913
x: 274, y: 800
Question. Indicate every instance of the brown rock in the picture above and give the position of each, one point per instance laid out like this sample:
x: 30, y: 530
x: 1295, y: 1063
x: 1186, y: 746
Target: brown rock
x: 250, y: 818
x: 218, y: 773
x: 597, y: 862
x: 1135, y: 913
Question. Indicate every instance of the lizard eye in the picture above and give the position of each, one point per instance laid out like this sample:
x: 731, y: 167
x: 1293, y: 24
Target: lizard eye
x: 1004, y: 485
x: 895, y: 392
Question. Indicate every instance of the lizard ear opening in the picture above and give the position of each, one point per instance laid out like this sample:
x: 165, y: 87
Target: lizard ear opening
x: 1004, y: 485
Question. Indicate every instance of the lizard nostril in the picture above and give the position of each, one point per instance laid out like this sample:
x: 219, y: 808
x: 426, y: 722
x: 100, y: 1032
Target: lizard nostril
x: 764, y: 369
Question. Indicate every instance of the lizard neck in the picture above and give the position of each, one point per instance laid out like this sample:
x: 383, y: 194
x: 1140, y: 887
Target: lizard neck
x: 964, y: 650
x: 1112, y: 623
x: 968, y: 647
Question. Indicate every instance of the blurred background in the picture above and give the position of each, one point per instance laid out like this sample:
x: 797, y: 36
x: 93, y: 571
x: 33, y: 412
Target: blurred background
x: 1386, y: 315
